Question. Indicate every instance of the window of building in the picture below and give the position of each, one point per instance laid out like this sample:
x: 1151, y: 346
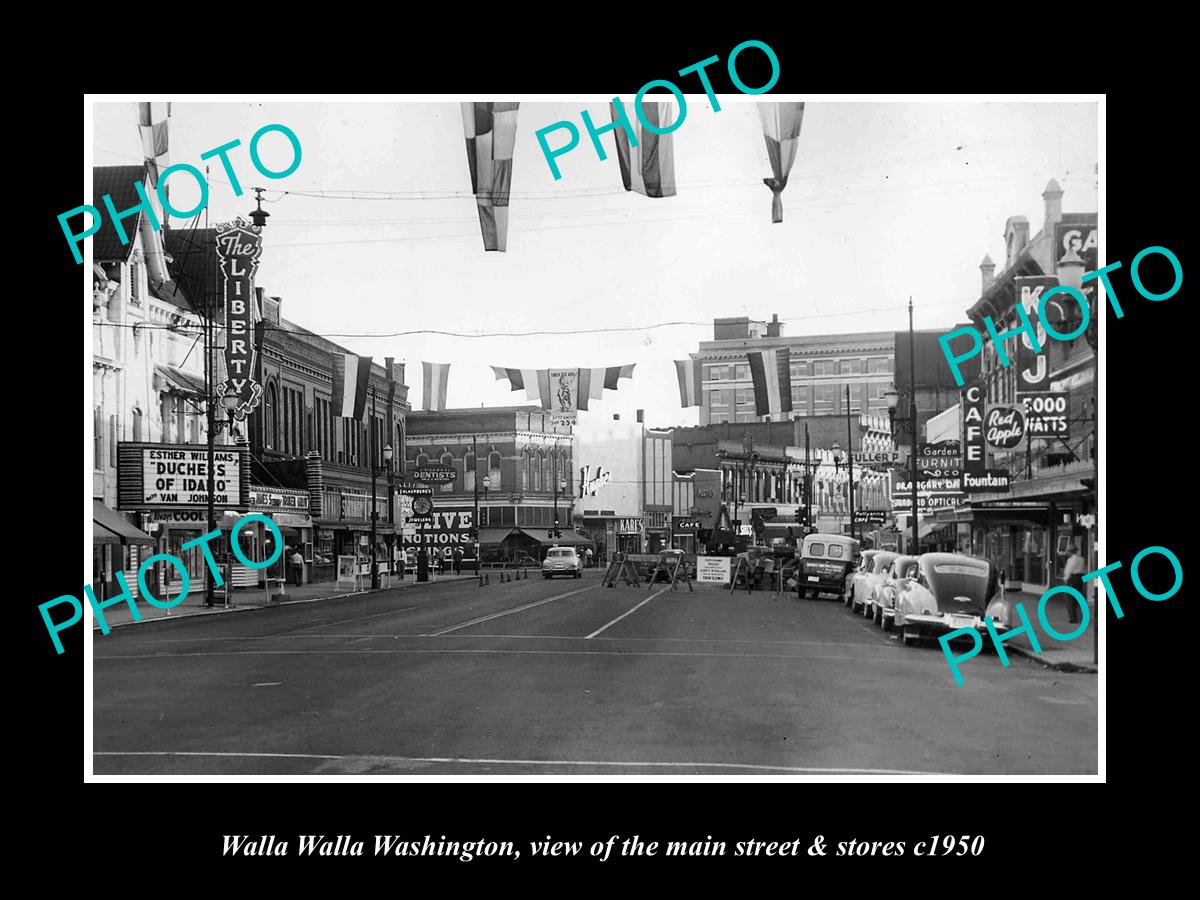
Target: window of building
x: 741, y: 372
x: 112, y: 441
x: 270, y: 421
x: 800, y: 399
x: 135, y: 285
x: 422, y: 460
x: 526, y: 471
x: 468, y: 471
x: 824, y: 399
x: 180, y: 418
x: 879, y: 364
x: 824, y: 366
x: 717, y: 373
x: 448, y: 460
x: 743, y: 397
x: 798, y: 369
x: 494, y: 470
x: 136, y: 416
x: 851, y: 366
x: 98, y: 438
x: 715, y: 398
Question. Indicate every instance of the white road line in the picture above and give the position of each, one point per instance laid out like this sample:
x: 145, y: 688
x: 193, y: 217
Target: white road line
x: 906, y: 659
x: 523, y: 637
x: 267, y: 684
x: 623, y: 615
x: 509, y: 612
x: 811, y: 770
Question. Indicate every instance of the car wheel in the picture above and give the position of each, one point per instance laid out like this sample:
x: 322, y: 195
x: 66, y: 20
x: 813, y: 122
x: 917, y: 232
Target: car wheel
x: 887, y: 623
x: 546, y: 575
x: 878, y: 617
x: 911, y: 636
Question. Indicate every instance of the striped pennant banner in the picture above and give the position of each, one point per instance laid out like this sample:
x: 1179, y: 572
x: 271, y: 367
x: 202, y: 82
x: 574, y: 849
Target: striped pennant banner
x: 770, y: 372
x: 689, y: 373
x: 648, y: 161
x: 591, y: 383
x: 433, y: 385
x: 152, y: 125
x: 491, y: 134
x: 781, y: 130
x: 350, y: 377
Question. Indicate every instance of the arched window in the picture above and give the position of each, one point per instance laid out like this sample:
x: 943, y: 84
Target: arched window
x: 422, y: 459
x: 469, y: 471
x: 448, y: 460
x: 494, y: 470
x: 270, y: 422
x: 526, y: 471
x: 398, y: 446
x: 543, y: 473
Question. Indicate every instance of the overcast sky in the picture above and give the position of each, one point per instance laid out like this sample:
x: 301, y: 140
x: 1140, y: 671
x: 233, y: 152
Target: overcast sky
x: 885, y: 200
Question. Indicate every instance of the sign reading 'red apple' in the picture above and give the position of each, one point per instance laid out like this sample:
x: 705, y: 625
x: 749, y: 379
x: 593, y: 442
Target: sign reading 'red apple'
x: 1004, y: 426
x: 239, y: 246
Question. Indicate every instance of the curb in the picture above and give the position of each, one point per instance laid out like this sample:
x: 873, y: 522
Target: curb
x: 277, y: 605
x: 1081, y: 668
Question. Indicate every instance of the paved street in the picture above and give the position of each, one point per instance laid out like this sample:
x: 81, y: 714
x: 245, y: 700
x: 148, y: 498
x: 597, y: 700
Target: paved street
x: 569, y: 677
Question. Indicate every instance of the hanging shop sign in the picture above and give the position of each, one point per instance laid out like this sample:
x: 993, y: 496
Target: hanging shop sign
x: 239, y: 245
x: 1004, y: 427
x: 591, y: 479
x: 1033, y: 368
x: 153, y: 476
x: 872, y: 516
x: 279, y: 498
x: 1046, y: 414
x: 992, y: 481
x: 434, y: 474
x: 974, y: 444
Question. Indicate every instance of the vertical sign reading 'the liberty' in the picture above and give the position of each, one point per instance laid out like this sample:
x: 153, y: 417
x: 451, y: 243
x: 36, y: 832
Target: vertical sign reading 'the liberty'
x: 239, y: 246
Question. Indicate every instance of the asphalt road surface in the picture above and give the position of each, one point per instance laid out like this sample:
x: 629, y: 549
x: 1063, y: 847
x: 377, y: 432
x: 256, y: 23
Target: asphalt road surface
x: 569, y: 677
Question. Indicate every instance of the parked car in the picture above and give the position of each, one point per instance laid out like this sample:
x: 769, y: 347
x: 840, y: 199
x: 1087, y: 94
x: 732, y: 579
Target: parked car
x: 867, y: 578
x: 562, y: 561
x: 863, y: 564
x: 951, y: 591
x: 826, y: 561
x: 894, y: 579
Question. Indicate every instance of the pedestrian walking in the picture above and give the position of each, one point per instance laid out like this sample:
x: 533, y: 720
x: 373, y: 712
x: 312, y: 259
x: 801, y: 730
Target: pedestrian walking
x: 1073, y: 573
x: 457, y: 560
x: 297, y: 559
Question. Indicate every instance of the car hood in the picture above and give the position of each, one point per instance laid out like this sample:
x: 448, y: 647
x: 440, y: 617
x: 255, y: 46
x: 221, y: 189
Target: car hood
x: 957, y: 589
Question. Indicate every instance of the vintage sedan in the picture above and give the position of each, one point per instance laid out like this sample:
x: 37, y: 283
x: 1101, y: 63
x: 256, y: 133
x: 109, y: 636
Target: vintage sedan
x: 950, y: 591
x: 867, y: 577
x: 883, y: 603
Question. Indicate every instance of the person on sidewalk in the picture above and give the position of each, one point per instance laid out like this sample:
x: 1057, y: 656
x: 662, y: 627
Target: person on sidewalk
x: 457, y: 560
x: 1073, y: 573
x: 297, y: 560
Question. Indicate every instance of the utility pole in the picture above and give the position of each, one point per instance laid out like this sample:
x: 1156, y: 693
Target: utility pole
x: 807, y: 483
x: 850, y: 461
x: 912, y: 414
x: 374, y: 475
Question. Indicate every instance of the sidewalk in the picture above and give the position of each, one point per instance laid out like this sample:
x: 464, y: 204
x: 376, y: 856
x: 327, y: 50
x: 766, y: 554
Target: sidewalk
x: 253, y: 598
x: 1076, y: 655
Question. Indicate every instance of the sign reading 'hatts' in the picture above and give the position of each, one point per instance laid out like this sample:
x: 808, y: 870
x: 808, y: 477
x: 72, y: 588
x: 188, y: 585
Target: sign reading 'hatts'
x: 239, y: 246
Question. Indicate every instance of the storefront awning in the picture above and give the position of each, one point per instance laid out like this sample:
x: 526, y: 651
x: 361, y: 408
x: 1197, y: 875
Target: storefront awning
x: 494, y: 535
x: 112, y: 529
x: 172, y: 377
x: 928, y: 528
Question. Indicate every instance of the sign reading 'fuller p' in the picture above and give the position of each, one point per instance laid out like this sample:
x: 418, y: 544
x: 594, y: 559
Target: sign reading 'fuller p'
x: 239, y: 246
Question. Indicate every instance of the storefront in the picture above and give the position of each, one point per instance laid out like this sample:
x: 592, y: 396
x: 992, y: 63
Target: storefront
x: 288, y: 509
x: 117, y: 546
x: 344, y: 529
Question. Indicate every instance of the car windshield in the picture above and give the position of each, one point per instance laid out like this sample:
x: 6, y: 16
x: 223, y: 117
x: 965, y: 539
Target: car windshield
x: 561, y: 553
x: 816, y: 549
x: 881, y: 562
x: 835, y: 551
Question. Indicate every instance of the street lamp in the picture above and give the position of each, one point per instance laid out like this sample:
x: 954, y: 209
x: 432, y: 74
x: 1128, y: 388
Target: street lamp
x: 893, y: 400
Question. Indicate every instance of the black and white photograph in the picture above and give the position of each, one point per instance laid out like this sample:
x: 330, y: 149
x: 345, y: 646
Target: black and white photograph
x: 696, y: 436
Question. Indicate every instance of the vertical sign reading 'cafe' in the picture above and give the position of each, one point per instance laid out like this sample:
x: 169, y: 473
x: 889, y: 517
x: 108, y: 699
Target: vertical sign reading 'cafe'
x: 239, y: 246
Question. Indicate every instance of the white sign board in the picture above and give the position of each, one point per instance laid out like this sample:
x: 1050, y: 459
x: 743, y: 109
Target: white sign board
x: 712, y: 569
x: 179, y: 475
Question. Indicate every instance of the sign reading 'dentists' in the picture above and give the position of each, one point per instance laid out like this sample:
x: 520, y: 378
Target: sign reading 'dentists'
x: 145, y: 207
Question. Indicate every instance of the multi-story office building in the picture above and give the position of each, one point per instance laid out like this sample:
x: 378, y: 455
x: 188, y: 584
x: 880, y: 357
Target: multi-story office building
x: 822, y: 366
